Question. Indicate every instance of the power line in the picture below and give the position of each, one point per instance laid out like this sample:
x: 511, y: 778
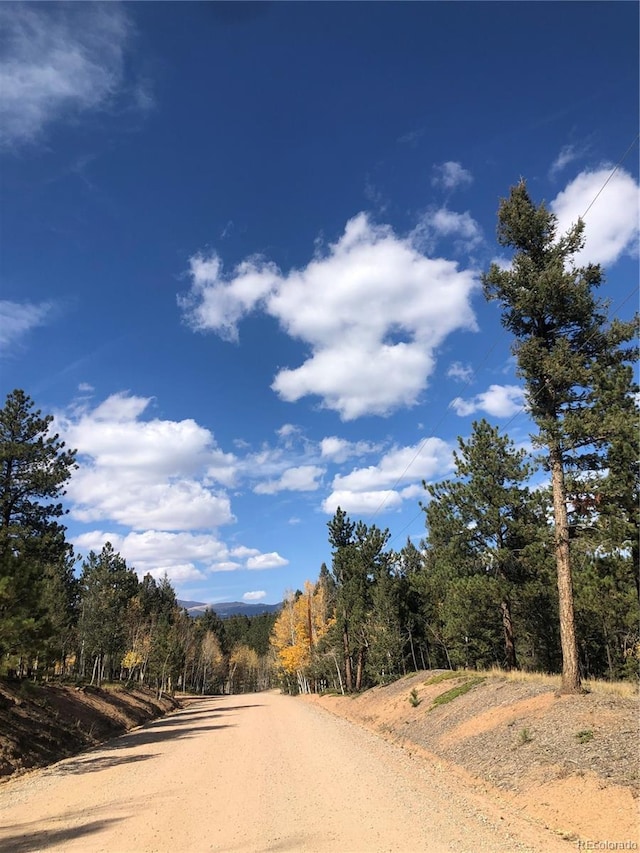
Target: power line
x: 423, y: 443
x: 615, y: 169
x: 511, y: 419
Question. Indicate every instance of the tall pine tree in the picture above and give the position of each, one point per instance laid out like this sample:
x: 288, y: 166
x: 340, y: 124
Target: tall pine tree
x: 34, y: 467
x: 571, y: 359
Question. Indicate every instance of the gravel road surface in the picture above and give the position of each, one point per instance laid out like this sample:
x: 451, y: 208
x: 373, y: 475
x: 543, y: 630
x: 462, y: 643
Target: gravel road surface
x: 259, y: 772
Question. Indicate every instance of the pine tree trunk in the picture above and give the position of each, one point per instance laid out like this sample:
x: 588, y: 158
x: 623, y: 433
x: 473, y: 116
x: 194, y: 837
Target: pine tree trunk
x: 413, y: 653
x: 570, y: 667
x: 348, y: 677
x: 360, y: 668
x: 509, y: 640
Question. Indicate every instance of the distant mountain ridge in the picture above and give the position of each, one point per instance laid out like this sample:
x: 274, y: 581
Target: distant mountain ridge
x: 224, y: 609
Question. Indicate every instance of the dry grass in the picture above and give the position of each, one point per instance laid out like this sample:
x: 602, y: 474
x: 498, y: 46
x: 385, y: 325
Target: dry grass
x: 624, y: 689
x: 447, y: 675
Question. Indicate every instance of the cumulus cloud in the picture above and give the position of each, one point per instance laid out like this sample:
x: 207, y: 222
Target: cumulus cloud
x: 399, y: 465
x: 440, y: 223
x: 339, y: 449
x: 412, y: 304
x: 301, y: 479
x: 363, y: 503
x: 499, y: 401
x: 182, y: 556
x: 17, y: 319
x: 413, y: 491
x: 451, y: 175
x: 611, y: 225
x: 225, y: 566
x: 157, y: 552
x: 392, y: 480
x: 267, y: 561
x: 217, y: 304
x: 155, y: 477
x: 242, y: 551
x: 144, y: 474
x: 256, y: 595
x: 460, y: 372
x: 58, y: 59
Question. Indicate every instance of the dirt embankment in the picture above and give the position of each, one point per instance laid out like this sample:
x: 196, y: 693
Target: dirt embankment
x: 42, y: 723
x: 569, y: 762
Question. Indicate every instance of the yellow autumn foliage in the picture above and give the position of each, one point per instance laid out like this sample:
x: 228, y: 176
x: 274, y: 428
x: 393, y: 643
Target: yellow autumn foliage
x: 131, y: 659
x: 299, y: 628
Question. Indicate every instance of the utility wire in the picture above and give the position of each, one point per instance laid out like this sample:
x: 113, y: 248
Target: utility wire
x: 424, y: 441
x: 617, y: 166
x: 511, y: 419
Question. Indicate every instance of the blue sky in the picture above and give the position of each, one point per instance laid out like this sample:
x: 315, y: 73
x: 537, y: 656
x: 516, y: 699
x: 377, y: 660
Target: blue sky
x: 242, y: 246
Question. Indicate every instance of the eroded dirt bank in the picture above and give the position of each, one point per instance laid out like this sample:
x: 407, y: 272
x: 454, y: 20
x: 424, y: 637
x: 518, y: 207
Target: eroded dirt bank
x: 41, y: 723
x: 568, y: 762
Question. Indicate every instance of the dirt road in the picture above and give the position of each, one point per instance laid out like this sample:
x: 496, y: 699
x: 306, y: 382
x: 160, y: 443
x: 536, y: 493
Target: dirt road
x: 260, y: 772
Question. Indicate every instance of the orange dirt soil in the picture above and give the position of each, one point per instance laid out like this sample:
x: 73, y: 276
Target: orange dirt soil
x: 568, y: 762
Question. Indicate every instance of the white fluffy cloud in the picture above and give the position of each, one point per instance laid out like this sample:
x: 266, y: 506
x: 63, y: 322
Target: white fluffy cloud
x: 301, y: 479
x: 151, y: 474
x: 255, y: 595
x: 441, y: 223
x: 17, y: 319
x: 183, y: 556
x: 241, y: 551
x: 160, y: 479
x: 460, y: 372
x: 267, y: 561
x: 451, y: 175
x: 158, y: 552
x: 373, y: 306
x: 225, y: 566
x: 400, y: 465
x: 367, y: 490
x: 339, y: 449
x: 363, y: 503
x: 215, y: 304
x: 611, y: 225
x: 134, y: 502
x: 57, y: 59
x: 499, y: 401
